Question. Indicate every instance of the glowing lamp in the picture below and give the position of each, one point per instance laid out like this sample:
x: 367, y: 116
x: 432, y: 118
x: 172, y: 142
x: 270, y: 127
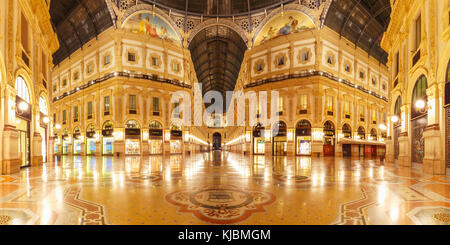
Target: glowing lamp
x: 420, y: 104
x: 23, y: 106
x: 383, y: 127
x: 46, y: 120
x: 394, y: 118
x: 58, y: 126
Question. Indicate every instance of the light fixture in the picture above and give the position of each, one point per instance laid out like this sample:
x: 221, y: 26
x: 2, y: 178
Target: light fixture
x: 58, y: 126
x: 23, y: 106
x: 46, y: 120
x: 383, y: 127
x: 394, y: 118
x: 420, y: 104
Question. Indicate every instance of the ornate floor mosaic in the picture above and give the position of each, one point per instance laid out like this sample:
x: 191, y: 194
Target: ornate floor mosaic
x: 230, y: 189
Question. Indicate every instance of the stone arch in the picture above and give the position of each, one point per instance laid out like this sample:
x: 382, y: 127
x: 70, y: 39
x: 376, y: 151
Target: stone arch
x: 412, y: 82
x: 274, y: 13
x: 27, y: 78
x: 223, y: 22
x: 146, y: 7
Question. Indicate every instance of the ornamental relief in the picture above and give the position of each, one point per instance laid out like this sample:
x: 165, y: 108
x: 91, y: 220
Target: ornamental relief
x: 280, y: 60
x: 304, y: 56
x: 259, y: 66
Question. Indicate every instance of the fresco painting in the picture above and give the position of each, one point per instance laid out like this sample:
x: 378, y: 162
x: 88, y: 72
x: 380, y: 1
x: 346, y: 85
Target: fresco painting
x: 151, y: 25
x: 282, y: 25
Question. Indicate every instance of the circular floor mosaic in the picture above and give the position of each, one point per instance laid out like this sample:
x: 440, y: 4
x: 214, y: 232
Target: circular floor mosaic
x: 221, y: 204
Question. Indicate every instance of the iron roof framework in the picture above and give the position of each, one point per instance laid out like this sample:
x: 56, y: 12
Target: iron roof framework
x: 217, y: 53
x: 363, y: 22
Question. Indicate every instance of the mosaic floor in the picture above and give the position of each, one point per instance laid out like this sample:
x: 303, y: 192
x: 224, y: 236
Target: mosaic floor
x: 222, y: 188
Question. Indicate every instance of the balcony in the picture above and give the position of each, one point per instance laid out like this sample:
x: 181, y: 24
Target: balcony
x: 156, y: 113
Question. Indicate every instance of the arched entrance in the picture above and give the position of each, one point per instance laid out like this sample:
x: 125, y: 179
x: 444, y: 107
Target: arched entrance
x: 90, y: 139
x: 23, y: 121
x: 76, y: 141
x: 371, y: 150
x: 303, y: 138
x: 108, y: 138
x: 397, y: 124
x: 155, y: 139
x: 447, y: 107
x: 419, y: 119
x: 176, y: 135
x: 279, y: 145
x: 65, y: 142
x: 43, y: 129
x: 132, y: 138
x: 328, y: 138
x: 347, y: 133
x: 259, y: 142
x: 217, y: 141
x: 361, y: 135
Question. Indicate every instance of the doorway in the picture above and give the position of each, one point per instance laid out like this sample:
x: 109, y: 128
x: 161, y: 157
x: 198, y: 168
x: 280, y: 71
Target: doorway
x: 217, y: 141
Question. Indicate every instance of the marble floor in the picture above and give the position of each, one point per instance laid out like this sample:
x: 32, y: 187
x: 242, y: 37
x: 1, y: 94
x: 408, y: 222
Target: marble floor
x: 222, y: 188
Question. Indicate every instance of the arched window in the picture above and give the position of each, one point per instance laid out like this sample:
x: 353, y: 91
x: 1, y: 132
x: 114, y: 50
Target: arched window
x: 419, y: 92
x: 43, y: 106
x: 175, y: 127
x: 361, y: 133
x: 155, y: 125
x: 373, y: 134
x: 447, y: 85
x: 22, y: 89
x: 108, y: 125
x: 347, y: 131
x: 90, y: 128
x: 398, y: 104
x: 132, y: 124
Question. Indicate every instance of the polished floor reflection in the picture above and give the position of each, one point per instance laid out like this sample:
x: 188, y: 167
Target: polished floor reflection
x: 222, y: 188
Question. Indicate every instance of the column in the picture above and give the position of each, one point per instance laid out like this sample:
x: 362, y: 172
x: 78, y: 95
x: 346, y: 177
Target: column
x: 404, y: 157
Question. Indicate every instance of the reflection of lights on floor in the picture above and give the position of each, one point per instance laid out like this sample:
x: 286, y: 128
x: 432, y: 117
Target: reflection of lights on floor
x: 394, y: 213
x: 382, y: 189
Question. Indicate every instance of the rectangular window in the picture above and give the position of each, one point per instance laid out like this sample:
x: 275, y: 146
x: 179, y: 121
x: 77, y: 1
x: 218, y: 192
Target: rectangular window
x: 305, y: 56
x: 106, y: 104
x: 176, y: 67
x: 156, y: 104
x: 54, y: 118
x: 155, y: 61
x: 54, y: 88
x: 89, y: 113
x: 132, y: 101
x: 75, y: 114
x: 176, y: 109
x: 131, y: 57
x: 24, y: 34
x: 346, y: 108
x: 44, y: 66
x: 64, y: 82
x: 329, y: 103
x: 374, y: 116
x: 418, y: 32
x: 106, y: 60
x: 303, y: 102
x: 280, y: 104
x: 397, y: 63
x: 361, y: 111
x: 64, y: 117
x: 90, y: 68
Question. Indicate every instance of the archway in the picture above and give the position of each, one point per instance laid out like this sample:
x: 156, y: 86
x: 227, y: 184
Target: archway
x: 90, y: 139
x: 217, y: 141
x: 155, y: 139
x: 65, y: 142
x: 132, y: 138
x: 397, y: 124
x: 176, y: 136
x: 108, y: 138
x: 347, y: 133
x: 303, y: 138
x: 259, y: 143
x: 76, y: 141
x: 279, y: 145
x: 328, y: 138
x: 419, y: 119
x: 23, y: 121
x: 361, y: 135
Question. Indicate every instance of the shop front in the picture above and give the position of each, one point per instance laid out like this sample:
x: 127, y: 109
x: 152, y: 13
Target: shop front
x: 279, y: 140
x: 132, y: 138
x: 328, y: 139
x: 303, y: 138
x: 65, y: 142
x: 419, y: 119
x: 155, y: 140
x: 77, y: 141
x: 108, y: 138
x: 361, y: 136
x: 259, y: 142
x: 23, y: 121
x: 43, y: 129
x: 176, y: 137
x: 347, y: 134
x: 90, y: 140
